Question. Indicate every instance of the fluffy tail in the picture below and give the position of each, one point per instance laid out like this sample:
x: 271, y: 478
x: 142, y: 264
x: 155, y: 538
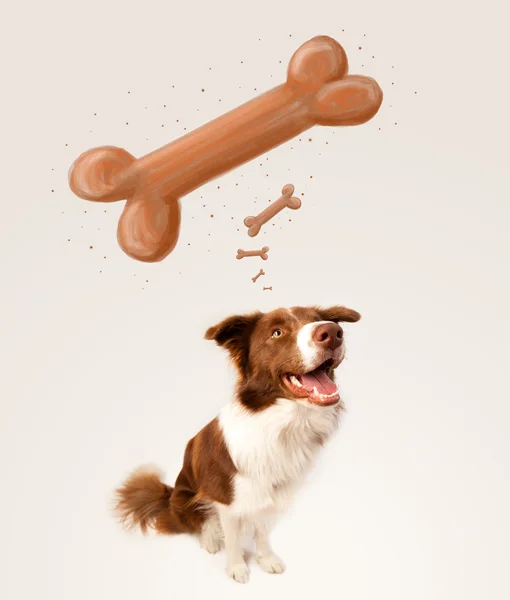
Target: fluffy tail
x: 144, y: 501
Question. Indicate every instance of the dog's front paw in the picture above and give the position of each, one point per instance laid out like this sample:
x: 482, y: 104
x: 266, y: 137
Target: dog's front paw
x: 271, y: 564
x: 238, y: 573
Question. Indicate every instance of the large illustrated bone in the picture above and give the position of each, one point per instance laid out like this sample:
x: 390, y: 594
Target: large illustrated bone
x: 318, y: 91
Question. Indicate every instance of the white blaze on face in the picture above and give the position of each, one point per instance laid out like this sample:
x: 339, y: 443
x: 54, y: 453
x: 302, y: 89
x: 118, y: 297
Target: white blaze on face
x: 307, y: 347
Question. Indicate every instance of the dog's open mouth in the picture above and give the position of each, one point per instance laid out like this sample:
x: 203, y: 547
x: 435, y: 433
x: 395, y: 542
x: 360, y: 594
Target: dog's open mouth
x: 316, y: 386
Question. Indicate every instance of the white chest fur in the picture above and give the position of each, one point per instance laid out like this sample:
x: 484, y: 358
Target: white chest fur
x: 273, y: 449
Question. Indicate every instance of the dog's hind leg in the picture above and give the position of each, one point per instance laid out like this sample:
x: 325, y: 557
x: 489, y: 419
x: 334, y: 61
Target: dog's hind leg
x: 211, y: 536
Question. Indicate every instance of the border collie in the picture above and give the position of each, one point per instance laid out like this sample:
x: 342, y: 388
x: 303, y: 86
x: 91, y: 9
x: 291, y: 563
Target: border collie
x: 243, y: 467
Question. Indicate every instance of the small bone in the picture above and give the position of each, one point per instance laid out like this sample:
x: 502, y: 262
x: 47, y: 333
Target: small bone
x: 261, y: 272
x: 262, y: 253
x: 318, y: 91
x: 268, y: 288
x: 286, y: 200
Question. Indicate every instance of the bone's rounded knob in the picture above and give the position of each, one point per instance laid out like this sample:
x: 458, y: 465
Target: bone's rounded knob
x: 293, y: 203
x: 94, y: 175
x: 350, y: 101
x: 317, y: 62
x: 149, y: 227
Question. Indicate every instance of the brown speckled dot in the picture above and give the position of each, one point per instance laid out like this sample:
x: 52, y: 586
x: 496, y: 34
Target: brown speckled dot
x: 52, y: 190
x: 91, y: 247
x: 212, y: 216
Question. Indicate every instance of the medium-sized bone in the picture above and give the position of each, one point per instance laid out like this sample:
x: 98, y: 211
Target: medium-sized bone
x: 262, y: 253
x: 268, y: 288
x: 261, y: 272
x: 286, y: 200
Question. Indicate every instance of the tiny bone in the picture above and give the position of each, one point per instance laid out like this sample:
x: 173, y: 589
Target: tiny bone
x: 261, y: 272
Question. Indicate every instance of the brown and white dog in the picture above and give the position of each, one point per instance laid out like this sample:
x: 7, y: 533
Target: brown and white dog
x: 242, y: 468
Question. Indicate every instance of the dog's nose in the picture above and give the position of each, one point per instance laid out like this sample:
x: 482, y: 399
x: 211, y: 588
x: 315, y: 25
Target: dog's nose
x: 328, y: 335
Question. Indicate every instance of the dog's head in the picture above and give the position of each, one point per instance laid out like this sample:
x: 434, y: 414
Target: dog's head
x: 287, y: 353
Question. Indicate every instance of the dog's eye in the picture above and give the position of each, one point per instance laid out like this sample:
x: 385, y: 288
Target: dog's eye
x: 277, y: 333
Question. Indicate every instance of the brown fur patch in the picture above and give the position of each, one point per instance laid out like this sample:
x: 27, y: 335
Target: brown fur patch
x: 206, y: 477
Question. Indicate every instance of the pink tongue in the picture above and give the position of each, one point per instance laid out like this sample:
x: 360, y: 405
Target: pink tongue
x: 320, y: 380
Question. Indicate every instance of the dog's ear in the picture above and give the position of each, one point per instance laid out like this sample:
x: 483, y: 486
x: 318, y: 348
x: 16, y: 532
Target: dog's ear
x: 233, y: 334
x: 339, y: 314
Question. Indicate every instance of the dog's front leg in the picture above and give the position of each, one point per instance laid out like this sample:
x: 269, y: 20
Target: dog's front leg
x: 266, y: 558
x: 231, y: 525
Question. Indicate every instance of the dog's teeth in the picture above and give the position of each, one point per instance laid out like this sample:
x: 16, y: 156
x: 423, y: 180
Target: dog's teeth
x: 295, y: 381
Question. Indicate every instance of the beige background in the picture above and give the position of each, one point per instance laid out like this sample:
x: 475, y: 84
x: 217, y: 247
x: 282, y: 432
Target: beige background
x: 405, y: 219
